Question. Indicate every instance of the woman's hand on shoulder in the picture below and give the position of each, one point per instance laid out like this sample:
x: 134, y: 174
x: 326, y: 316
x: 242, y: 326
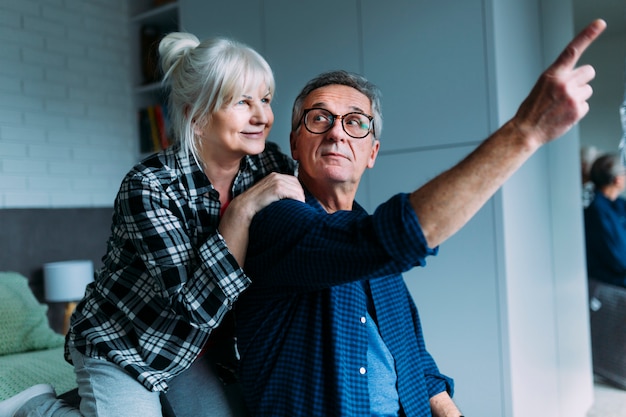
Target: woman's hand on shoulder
x: 272, y: 188
x: 236, y: 220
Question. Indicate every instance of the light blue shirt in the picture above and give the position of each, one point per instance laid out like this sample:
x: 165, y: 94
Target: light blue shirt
x: 381, y: 374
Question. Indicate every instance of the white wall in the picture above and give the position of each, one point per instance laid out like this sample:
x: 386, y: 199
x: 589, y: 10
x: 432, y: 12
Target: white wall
x: 567, y: 243
x: 67, y: 127
x: 550, y: 364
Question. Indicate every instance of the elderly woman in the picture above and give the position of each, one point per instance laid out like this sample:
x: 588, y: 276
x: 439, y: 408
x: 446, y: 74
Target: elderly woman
x: 179, y: 236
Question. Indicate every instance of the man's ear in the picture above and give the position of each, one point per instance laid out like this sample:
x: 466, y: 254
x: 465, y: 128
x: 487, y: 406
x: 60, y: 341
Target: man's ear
x: 293, y: 145
x: 374, y: 153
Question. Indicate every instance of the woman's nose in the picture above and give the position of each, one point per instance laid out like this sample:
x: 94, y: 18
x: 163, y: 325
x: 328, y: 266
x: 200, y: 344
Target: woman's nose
x: 261, y: 114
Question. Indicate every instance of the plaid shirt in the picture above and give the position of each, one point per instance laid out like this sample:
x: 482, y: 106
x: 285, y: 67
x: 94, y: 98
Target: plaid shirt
x: 168, y: 277
x: 300, y: 325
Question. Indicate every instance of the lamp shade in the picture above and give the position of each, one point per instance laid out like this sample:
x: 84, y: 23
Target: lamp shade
x: 66, y: 281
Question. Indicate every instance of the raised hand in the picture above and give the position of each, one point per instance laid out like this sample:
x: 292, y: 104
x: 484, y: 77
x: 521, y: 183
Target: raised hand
x: 557, y: 101
x: 559, y: 98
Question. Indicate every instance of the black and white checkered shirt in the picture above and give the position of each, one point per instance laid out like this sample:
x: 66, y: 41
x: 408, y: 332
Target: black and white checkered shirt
x: 168, y: 276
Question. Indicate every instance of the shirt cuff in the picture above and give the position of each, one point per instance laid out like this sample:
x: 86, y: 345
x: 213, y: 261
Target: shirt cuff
x: 400, y: 233
x: 221, y: 268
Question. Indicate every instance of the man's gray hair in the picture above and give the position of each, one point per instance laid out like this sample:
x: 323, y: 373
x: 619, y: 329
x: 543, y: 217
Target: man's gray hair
x: 605, y: 169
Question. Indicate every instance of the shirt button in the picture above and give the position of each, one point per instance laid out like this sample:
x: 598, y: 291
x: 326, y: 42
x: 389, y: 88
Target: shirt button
x: 362, y: 371
x: 363, y: 319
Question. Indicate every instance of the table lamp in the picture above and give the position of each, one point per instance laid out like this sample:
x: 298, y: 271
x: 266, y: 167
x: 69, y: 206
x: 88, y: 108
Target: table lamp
x: 65, y: 282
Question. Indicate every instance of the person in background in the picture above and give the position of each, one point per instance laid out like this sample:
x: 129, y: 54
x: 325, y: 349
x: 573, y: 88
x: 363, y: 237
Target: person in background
x: 328, y: 326
x: 588, y: 154
x: 172, y: 269
x: 605, y: 222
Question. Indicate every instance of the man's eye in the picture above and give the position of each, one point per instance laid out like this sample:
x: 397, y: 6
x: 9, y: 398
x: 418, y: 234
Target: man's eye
x: 320, y: 118
x: 357, y: 122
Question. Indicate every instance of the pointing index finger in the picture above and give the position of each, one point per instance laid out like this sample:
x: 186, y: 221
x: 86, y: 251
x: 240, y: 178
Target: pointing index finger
x: 572, y: 53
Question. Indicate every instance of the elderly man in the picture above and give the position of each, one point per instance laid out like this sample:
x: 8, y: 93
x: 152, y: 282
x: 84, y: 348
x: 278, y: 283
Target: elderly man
x: 328, y: 326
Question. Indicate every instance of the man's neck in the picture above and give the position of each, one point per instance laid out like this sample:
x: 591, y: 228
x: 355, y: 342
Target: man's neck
x: 332, y: 196
x: 611, y: 192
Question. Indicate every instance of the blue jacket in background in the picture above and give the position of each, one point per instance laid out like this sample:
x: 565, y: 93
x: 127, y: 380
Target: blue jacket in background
x: 605, y: 239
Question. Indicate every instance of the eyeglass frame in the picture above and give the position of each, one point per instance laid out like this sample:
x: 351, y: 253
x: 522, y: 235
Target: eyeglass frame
x: 336, y: 117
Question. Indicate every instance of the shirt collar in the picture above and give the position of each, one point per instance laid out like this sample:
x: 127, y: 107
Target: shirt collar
x: 312, y: 201
x: 196, y: 180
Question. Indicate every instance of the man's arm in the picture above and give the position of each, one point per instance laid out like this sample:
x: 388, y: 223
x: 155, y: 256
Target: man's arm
x: 557, y: 102
x: 441, y: 405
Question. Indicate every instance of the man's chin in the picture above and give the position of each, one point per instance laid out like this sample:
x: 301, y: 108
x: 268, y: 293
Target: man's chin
x: 336, y: 174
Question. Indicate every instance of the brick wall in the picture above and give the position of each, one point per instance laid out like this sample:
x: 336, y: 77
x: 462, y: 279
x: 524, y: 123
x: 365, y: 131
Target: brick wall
x: 67, y: 123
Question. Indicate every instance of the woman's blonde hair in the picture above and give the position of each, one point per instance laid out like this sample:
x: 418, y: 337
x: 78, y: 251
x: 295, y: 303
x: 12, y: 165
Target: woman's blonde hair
x: 202, y: 77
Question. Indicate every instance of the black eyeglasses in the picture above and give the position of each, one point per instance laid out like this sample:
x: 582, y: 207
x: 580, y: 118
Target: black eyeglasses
x: 355, y: 124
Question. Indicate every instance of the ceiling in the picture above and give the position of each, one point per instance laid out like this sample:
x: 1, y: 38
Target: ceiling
x: 612, y: 11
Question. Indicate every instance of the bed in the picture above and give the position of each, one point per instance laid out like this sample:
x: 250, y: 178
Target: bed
x: 30, y: 351
x: 31, y: 346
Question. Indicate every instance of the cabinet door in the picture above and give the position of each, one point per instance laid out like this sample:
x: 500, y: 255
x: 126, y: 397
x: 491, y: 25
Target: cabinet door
x: 430, y: 62
x: 239, y: 19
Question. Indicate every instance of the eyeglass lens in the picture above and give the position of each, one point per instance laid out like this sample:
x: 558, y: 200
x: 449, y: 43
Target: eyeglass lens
x: 354, y: 124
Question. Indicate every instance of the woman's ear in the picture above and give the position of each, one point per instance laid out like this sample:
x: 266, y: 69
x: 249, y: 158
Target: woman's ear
x: 199, y: 126
x: 197, y: 130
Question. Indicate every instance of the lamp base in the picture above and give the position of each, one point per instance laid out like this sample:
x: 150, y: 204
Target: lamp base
x: 69, y: 309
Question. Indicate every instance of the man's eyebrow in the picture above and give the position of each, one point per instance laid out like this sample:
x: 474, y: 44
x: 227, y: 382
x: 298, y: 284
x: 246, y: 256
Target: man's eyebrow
x: 324, y: 106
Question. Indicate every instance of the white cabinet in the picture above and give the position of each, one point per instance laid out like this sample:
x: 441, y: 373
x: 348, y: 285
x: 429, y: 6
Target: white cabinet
x: 432, y: 70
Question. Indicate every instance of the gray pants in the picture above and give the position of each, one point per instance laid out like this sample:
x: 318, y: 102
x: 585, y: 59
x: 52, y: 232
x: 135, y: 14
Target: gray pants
x: 107, y: 390
x: 199, y: 392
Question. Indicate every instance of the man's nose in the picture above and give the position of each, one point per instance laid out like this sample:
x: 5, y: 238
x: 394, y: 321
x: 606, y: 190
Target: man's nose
x: 336, y: 132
